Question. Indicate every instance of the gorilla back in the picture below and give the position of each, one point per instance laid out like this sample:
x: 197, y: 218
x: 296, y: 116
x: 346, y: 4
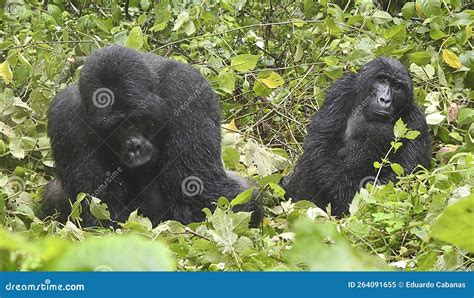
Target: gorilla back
x: 138, y: 131
x: 352, y: 130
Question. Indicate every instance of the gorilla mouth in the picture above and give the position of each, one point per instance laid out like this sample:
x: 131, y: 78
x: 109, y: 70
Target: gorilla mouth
x: 138, y: 158
x: 384, y: 114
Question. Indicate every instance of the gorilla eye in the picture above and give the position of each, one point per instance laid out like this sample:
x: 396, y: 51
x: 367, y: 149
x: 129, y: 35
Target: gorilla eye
x: 397, y: 86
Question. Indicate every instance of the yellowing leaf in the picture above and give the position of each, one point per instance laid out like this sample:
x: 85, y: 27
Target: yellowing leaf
x: 232, y: 125
x: 298, y: 22
x: 451, y: 59
x: 6, y: 72
x: 273, y: 81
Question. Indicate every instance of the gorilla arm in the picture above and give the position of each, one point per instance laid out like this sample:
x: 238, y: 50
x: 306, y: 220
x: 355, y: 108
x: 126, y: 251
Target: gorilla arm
x: 76, y: 159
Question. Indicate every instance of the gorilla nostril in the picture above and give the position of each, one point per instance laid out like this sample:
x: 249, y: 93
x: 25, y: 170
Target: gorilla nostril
x: 384, y: 100
x: 134, y: 145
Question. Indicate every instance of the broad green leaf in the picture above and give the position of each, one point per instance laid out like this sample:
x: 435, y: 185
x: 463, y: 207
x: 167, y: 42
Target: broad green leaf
x: 381, y: 17
x: 189, y: 28
x: 420, y: 58
x: 76, y: 208
x: 398, y: 169
x: 322, y: 247
x: 182, y: 18
x: 135, y: 39
x: 299, y: 52
x: 260, y: 89
x: 428, y: 8
x: 231, y: 157
x: 436, y: 34
x: 6, y: 72
x: 226, y: 81
x: 244, y: 62
x: 408, y: 10
x: 396, y: 33
x: 412, y: 134
x: 435, y: 118
x: 456, y: 225
x: 115, y: 253
x: 16, y: 148
x: 399, y: 129
x: 99, y: 209
x: 243, y: 197
x: 451, y: 59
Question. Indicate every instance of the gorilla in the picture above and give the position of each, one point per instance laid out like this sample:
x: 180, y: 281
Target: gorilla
x: 352, y: 130
x: 142, y: 132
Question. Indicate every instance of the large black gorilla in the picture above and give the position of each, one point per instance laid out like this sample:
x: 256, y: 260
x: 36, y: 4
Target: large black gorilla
x: 352, y: 130
x: 139, y: 131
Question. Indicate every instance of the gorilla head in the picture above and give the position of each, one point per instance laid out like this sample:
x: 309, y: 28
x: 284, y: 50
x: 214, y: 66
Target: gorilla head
x: 383, y: 88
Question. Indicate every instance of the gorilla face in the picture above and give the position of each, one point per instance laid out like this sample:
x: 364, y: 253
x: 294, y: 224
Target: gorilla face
x: 132, y: 147
x: 384, y: 87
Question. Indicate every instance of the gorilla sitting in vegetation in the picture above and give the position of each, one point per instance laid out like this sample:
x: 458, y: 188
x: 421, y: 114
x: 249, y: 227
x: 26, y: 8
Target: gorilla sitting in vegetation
x: 139, y: 132
x: 354, y: 129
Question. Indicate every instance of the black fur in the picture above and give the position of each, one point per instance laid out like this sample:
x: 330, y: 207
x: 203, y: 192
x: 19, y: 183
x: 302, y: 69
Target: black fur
x: 346, y: 136
x: 161, y: 105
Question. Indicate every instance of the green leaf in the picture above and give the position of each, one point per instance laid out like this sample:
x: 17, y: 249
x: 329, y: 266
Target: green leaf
x: 412, y: 134
x: 420, y: 58
x: 399, y: 129
x: 398, y: 169
x: 436, y: 34
x: 243, y: 197
x: 135, y: 38
x: 435, y: 118
x: 107, y: 253
x: 244, y: 62
x: 408, y: 10
x: 182, y: 18
x: 76, y: 209
x: 260, y: 89
x: 99, y: 209
x: 16, y: 148
x: 334, y: 71
x: 397, y: 33
x: 226, y: 81
x: 456, y: 225
x: 320, y: 246
x: 275, y: 178
x: 428, y: 8
x: 189, y: 28
x: 6, y: 72
x: 231, y: 157
x: 381, y: 17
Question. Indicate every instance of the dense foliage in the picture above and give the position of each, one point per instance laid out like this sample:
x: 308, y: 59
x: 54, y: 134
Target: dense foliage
x: 271, y: 63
